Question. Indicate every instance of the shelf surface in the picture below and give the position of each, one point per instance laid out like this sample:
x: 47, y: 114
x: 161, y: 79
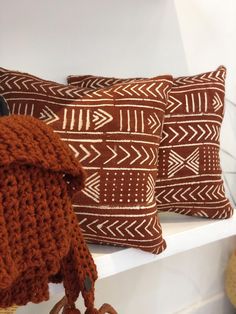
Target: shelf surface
x: 181, y: 233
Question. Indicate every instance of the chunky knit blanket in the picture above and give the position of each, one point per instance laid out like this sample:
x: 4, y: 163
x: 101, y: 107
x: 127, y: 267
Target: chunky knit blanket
x: 40, y: 239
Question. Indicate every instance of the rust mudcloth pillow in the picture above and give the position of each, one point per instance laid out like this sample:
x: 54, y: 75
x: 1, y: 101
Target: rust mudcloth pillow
x: 115, y: 133
x: 189, y: 173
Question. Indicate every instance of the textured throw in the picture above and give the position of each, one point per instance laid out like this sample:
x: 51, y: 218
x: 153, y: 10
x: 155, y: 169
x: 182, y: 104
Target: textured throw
x: 189, y: 173
x: 115, y: 132
x: 40, y: 239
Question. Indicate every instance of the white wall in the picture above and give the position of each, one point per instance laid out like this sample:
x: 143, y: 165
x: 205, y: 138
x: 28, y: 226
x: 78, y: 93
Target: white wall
x: 208, y: 29
x: 54, y: 38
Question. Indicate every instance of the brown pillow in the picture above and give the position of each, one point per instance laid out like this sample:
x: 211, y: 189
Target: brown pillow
x: 189, y: 173
x: 115, y: 132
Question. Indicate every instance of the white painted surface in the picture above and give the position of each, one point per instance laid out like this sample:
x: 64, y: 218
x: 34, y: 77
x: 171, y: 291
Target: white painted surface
x: 216, y: 304
x: 208, y: 29
x: 182, y: 233
x: 176, y: 284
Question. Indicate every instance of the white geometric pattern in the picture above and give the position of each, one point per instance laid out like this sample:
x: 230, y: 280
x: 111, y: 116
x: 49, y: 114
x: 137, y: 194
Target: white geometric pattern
x: 100, y: 118
x: 48, y: 116
x: 177, y: 162
x: 92, y: 187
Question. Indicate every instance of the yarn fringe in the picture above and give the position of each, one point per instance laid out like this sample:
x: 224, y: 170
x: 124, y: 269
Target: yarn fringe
x: 68, y: 309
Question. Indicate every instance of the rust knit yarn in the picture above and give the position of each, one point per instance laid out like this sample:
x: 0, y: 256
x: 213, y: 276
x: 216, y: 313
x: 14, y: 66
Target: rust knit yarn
x: 40, y: 239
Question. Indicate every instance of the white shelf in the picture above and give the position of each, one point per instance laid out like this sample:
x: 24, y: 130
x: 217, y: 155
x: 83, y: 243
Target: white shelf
x: 181, y: 233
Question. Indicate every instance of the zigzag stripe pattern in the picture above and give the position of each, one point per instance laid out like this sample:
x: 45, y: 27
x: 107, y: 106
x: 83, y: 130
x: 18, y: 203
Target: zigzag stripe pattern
x: 204, y: 78
x: 150, y: 189
x: 189, y: 149
x: 115, y: 132
x: 136, y: 156
x: 95, y: 82
x: 120, y: 228
x: 217, y: 102
x: 48, y: 116
x: 106, y: 230
x: 92, y: 187
x: 200, y: 193
x: 193, y: 133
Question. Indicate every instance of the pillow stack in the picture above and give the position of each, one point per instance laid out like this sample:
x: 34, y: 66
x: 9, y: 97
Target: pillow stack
x: 189, y: 174
x: 147, y: 145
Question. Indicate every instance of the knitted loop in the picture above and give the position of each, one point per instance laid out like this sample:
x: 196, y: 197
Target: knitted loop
x: 58, y: 306
x: 91, y: 311
x: 107, y: 309
x: 71, y: 311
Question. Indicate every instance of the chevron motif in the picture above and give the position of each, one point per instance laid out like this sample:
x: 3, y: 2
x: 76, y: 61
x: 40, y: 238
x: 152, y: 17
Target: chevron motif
x: 18, y: 82
x: 100, y: 118
x: 177, y: 162
x: 137, y: 228
x: 100, y: 82
x: 217, y: 76
x: 94, y: 82
x: 154, y: 122
x: 140, y: 89
x: 217, y: 103
x: 48, y: 116
x: 131, y: 155
x: 207, y: 192
x: 173, y: 104
x: 41, y: 86
x: 92, y: 187
x: 93, y: 152
x: 75, y: 151
x: 150, y: 189
x: 86, y: 152
x: 190, y: 133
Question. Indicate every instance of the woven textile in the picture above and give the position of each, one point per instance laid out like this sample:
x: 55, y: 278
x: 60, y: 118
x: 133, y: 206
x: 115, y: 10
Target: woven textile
x: 189, y: 173
x: 40, y: 239
x: 115, y: 133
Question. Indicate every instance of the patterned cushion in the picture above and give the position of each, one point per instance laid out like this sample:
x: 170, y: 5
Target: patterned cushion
x: 189, y: 179
x: 115, y: 132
